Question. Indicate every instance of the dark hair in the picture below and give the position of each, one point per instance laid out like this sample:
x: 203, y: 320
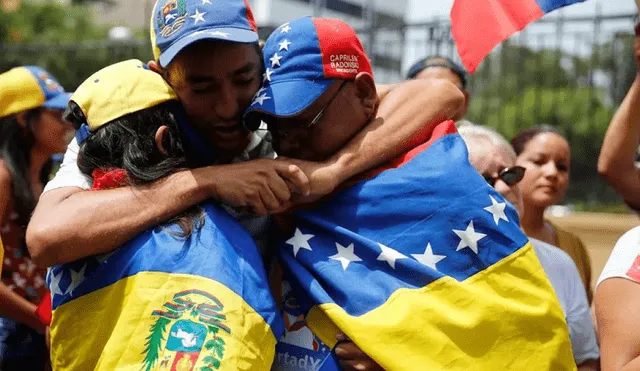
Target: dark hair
x: 519, y: 142
x: 128, y: 143
x: 16, y: 143
x: 438, y: 61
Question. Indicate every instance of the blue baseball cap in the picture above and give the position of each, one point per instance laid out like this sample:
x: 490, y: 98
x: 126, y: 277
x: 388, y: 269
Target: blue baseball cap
x: 28, y: 87
x: 176, y: 24
x: 302, y: 59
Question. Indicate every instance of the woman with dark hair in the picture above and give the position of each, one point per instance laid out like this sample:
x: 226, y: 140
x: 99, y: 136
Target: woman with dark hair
x: 546, y: 155
x: 31, y: 131
x: 191, y: 293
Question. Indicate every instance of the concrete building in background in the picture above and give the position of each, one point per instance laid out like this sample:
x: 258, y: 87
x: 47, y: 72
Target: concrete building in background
x: 386, y: 18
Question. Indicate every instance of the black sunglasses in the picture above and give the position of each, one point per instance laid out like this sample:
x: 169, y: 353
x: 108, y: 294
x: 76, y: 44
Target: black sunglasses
x: 510, y: 175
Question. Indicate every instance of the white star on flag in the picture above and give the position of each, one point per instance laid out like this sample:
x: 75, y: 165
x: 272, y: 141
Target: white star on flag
x: 54, y: 287
x: 275, y: 60
x: 260, y: 99
x: 198, y: 17
x: 497, y: 210
x: 390, y: 255
x: 76, y: 279
x: 428, y: 258
x: 206, y: 2
x: 300, y: 241
x: 262, y: 89
x: 345, y: 255
x: 469, y: 238
x: 266, y: 76
x: 285, y: 28
x: 284, y: 45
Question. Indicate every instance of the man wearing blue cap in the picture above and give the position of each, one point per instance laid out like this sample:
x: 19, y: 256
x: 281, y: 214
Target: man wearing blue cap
x: 352, y: 258
x: 208, y: 51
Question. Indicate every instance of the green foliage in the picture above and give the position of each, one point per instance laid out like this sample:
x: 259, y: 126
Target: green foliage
x: 517, y: 88
x: 62, y: 39
x: 154, y: 342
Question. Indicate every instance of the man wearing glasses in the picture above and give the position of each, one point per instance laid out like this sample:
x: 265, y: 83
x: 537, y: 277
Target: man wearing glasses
x: 320, y: 94
x: 495, y: 159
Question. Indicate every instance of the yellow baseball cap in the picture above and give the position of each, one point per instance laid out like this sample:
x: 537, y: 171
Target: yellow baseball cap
x: 118, y: 90
x: 28, y: 87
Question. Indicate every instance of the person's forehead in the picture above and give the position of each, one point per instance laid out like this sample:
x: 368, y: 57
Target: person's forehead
x: 549, y: 144
x: 211, y: 57
x: 490, y: 158
x: 440, y: 73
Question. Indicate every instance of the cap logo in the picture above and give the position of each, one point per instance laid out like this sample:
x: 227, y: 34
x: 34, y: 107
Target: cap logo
x: 49, y: 83
x: 344, y: 63
x: 171, y: 17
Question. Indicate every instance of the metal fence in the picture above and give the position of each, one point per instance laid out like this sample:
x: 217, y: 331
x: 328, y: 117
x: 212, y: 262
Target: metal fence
x: 567, y: 72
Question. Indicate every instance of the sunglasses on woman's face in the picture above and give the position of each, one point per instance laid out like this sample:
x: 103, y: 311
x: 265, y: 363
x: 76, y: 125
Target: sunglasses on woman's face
x: 510, y: 175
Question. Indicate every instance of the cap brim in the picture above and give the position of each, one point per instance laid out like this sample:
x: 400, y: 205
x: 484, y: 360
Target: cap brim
x: 289, y: 98
x: 59, y: 102
x: 237, y: 35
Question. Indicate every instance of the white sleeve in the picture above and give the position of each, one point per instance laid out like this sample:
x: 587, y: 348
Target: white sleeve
x: 581, y: 329
x: 69, y: 174
x: 624, y: 261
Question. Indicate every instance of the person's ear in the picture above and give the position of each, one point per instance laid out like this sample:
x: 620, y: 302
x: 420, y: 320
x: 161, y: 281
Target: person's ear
x: 155, y: 67
x: 467, y: 98
x: 21, y: 118
x: 160, y: 136
x: 366, y: 92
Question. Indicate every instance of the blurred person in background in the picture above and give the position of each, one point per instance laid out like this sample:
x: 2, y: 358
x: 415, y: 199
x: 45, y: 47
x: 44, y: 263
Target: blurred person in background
x: 31, y: 131
x: 438, y: 67
x: 495, y: 160
x: 617, y: 162
x: 546, y: 156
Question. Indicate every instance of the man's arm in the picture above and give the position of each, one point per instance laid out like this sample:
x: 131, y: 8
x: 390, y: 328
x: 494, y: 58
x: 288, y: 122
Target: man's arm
x: 406, y: 116
x: 617, y: 156
x: 71, y: 223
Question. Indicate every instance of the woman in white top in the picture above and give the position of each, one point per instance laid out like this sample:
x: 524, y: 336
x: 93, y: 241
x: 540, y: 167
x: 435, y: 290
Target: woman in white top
x: 617, y: 301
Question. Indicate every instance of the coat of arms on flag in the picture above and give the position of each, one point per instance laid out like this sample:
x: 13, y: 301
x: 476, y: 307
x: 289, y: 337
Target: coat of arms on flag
x: 194, y: 335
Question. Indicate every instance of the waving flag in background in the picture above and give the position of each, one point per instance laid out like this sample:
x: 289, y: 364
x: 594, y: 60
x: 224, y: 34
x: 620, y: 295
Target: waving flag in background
x: 425, y: 267
x: 166, y: 303
x: 479, y: 25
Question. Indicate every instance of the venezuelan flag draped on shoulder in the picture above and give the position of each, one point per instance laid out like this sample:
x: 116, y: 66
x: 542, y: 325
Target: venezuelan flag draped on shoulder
x: 424, y: 266
x: 160, y: 302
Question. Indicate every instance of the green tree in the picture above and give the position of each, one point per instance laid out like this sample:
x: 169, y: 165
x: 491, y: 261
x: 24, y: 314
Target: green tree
x: 64, y: 40
x: 517, y: 88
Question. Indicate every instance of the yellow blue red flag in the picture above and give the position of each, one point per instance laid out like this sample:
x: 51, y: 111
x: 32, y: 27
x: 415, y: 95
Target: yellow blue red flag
x: 424, y: 266
x: 161, y: 302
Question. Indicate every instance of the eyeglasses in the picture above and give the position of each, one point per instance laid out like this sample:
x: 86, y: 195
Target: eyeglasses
x: 314, y: 121
x: 511, y: 176
x: 319, y: 115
